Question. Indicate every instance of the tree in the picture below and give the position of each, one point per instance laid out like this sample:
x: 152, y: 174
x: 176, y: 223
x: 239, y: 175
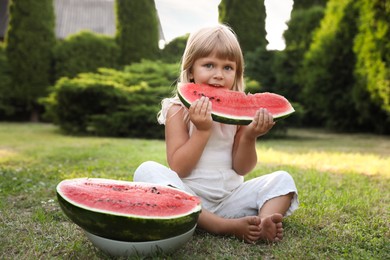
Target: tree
x: 345, y: 73
x: 372, y: 49
x: 298, y: 38
x: 29, y: 42
x: 137, y: 30
x: 5, y: 86
x: 306, y: 4
x: 85, y: 52
x: 247, y: 19
x: 327, y: 75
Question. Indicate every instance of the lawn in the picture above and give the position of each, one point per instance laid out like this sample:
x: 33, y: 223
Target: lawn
x: 343, y: 182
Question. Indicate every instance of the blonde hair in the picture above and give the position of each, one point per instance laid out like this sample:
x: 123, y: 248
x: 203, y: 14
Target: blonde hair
x: 219, y: 40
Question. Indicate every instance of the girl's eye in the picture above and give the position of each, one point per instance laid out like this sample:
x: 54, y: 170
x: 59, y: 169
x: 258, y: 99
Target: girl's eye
x: 208, y: 65
x: 228, y: 68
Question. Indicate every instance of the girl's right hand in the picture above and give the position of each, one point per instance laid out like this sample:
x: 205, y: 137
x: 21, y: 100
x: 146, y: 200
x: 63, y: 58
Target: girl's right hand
x: 200, y: 114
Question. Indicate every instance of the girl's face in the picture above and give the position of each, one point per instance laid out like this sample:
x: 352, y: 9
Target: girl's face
x: 214, y: 71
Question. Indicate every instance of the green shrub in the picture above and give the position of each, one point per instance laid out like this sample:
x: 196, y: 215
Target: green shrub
x: 5, y: 83
x: 252, y: 86
x: 259, y: 67
x: 85, y: 52
x: 156, y: 73
x: 112, y: 102
x: 174, y: 50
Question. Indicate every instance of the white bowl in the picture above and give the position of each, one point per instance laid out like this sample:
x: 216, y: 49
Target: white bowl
x: 123, y: 248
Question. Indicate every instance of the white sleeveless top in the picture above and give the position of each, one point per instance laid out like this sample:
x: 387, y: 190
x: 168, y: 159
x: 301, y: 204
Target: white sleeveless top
x: 213, y: 178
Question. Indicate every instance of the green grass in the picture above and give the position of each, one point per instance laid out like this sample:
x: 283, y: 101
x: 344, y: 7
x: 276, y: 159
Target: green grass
x: 343, y: 183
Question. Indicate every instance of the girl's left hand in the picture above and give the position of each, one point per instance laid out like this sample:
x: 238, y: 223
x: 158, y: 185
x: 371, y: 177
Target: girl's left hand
x: 261, y: 124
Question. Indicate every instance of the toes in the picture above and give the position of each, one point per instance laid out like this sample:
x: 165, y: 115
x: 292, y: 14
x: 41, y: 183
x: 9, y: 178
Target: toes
x: 277, y: 218
x: 272, y: 228
x: 252, y: 239
x: 255, y: 221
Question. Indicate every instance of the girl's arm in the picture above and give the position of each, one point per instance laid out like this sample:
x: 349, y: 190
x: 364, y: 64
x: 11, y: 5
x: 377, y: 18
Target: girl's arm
x: 244, y: 149
x: 183, y: 151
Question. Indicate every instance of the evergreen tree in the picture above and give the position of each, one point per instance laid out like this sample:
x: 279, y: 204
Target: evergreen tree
x: 372, y: 48
x: 247, y: 19
x: 306, y: 4
x: 327, y: 75
x: 29, y: 42
x: 137, y: 30
x: 298, y: 38
x: 5, y: 86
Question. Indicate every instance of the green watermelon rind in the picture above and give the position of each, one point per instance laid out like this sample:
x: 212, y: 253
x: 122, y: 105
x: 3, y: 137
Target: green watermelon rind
x: 229, y: 119
x: 128, y: 228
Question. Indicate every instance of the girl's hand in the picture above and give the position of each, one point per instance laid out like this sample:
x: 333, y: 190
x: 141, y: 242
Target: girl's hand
x: 200, y: 114
x: 261, y: 124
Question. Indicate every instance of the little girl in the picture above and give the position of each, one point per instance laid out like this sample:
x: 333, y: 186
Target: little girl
x: 209, y: 159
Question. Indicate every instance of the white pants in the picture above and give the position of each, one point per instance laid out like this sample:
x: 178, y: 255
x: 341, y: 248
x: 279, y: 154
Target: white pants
x: 246, y: 200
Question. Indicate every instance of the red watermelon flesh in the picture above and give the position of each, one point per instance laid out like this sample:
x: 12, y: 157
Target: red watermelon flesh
x: 235, y: 107
x: 128, y: 211
x: 138, y: 199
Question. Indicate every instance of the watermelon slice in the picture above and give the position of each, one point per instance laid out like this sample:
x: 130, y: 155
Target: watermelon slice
x: 233, y: 107
x: 128, y: 211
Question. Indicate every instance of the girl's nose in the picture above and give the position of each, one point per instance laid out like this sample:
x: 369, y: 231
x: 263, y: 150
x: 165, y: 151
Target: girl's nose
x: 218, y: 74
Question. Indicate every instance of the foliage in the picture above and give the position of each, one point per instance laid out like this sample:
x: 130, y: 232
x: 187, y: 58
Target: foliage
x: 174, y: 50
x: 343, y: 183
x: 334, y: 88
x: 112, y: 102
x: 137, y: 30
x: 276, y: 70
x: 327, y: 75
x: 259, y: 67
x: 84, y: 52
x: 301, y: 26
x: 372, y: 49
x: 5, y: 85
x: 307, y: 4
x: 247, y: 19
x: 29, y: 42
x: 298, y: 38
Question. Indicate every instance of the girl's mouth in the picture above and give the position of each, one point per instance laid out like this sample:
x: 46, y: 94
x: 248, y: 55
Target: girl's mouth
x: 216, y: 85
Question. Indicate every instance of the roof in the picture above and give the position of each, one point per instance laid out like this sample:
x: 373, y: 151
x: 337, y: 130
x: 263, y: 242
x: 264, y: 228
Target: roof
x: 73, y: 16
x: 76, y: 15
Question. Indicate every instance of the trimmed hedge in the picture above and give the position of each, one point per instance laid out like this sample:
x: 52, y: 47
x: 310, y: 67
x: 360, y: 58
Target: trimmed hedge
x: 85, y: 52
x: 5, y: 84
x: 112, y: 102
x: 29, y: 43
x: 137, y: 31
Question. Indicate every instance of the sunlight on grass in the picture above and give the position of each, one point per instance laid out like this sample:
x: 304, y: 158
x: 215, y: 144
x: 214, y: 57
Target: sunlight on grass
x: 5, y: 154
x: 336, y: 162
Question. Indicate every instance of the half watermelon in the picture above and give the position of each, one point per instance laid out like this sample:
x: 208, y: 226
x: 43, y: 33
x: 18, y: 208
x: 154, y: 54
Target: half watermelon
x: 233, y: 107
x: 128, y: 211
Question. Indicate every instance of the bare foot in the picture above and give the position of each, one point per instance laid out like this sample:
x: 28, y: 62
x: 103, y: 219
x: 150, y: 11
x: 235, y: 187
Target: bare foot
x: 247, y: 228
x: 272, y: 228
